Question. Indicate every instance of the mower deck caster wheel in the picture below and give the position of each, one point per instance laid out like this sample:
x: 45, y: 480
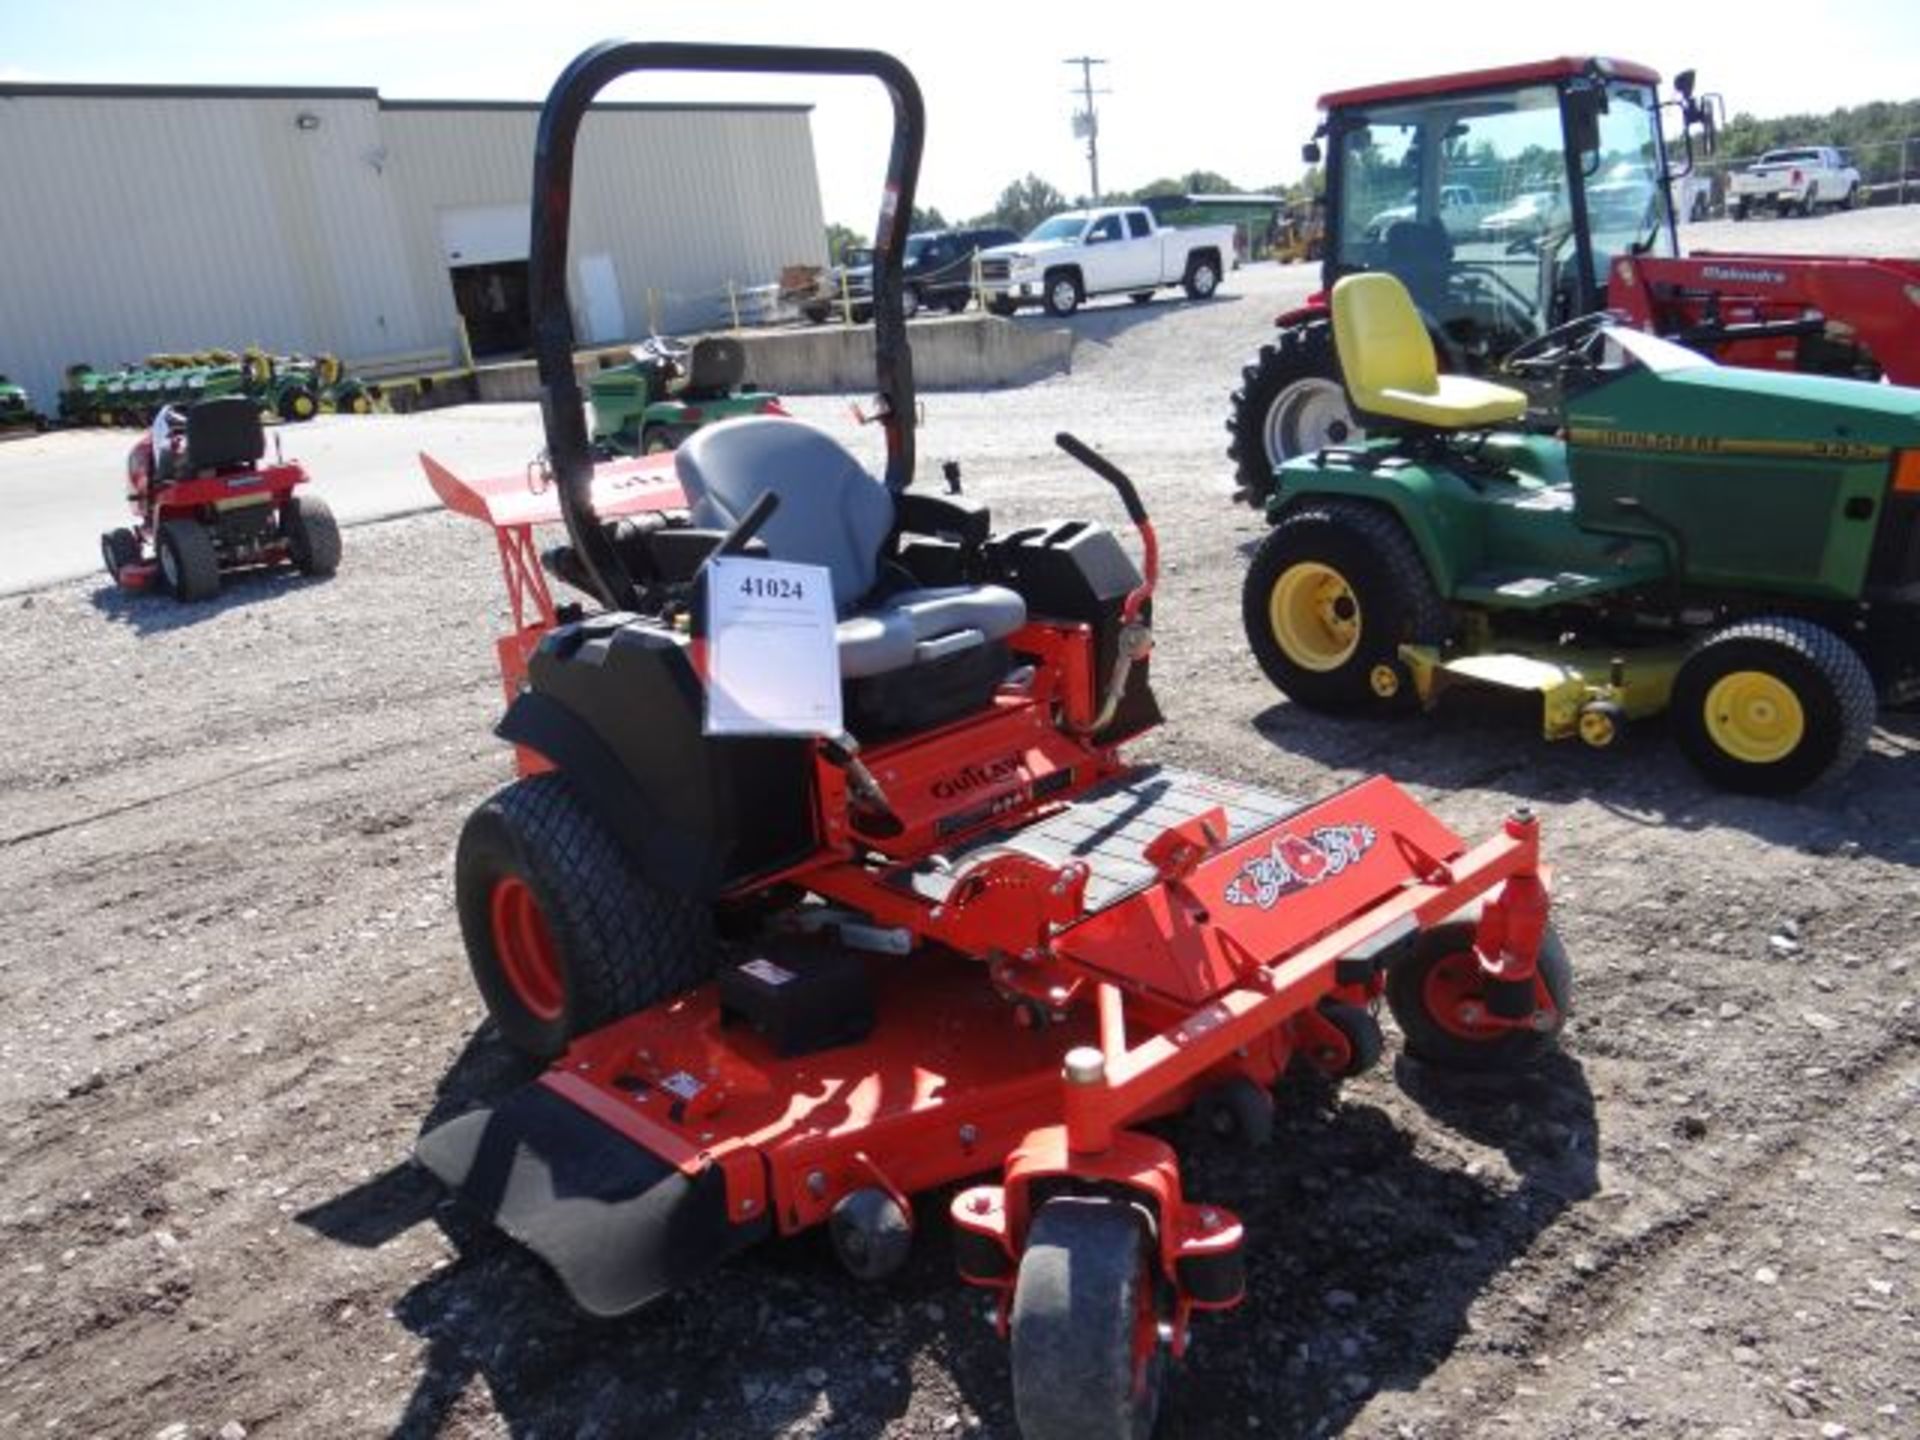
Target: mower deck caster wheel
x: 1365, y: 1042
x: 871, y: 1234
x: 1087, y: 1359
x: 1599, y: 723
x: 1444, y: 1005
x: 1239, y: 1111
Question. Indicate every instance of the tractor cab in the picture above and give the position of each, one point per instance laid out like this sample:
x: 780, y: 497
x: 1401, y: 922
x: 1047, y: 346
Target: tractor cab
x: 1501, y: 198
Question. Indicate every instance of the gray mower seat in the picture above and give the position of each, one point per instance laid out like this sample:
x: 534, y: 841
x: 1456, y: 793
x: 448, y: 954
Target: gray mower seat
x: 833, y: 513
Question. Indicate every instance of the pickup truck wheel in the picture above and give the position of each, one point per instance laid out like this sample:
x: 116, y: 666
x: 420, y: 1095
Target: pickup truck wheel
x: 1002, y: 307
x: 957, y: 303
x: 909, y: 302
x: 1203, y: 277
x: 1063, y: 293
x: 1141, y: 297
x: 1852, y: 202
x: 1739, y: 210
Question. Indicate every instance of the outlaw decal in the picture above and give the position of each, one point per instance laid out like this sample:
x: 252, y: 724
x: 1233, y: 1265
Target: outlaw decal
x: 1292, y: 863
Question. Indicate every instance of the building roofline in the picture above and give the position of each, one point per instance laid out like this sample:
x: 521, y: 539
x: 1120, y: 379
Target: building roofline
x: 59, y: 89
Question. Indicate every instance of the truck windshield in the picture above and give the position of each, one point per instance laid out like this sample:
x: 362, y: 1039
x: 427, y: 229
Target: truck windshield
x: 1060, y: 227
x: 1464, y: 198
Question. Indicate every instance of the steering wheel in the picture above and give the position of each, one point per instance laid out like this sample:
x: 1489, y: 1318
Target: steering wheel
x: 1557, y: 349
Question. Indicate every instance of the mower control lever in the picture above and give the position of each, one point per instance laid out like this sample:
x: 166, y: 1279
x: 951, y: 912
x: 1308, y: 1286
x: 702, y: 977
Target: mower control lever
x: 843, y: 751
x: 1149, y: 545
x: 748, y: 525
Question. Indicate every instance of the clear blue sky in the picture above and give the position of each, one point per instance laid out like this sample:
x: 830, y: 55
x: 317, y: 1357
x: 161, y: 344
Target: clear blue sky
x: 1227, y: 86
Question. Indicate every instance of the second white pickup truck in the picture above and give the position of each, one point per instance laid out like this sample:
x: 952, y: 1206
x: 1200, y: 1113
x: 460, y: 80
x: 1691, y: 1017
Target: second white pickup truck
x: 1084, y: 253
x: 1794, y: 182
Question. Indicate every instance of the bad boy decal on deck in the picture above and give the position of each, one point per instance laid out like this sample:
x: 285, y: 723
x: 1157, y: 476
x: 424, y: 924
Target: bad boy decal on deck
x: 1292, y: 863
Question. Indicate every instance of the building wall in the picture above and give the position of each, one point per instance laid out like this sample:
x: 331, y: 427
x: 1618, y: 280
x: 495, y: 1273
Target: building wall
x: 135, y: 222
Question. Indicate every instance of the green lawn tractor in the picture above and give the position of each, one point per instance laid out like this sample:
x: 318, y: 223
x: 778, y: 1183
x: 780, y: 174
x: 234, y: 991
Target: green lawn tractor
x: 16, y: 411
x: 1738, y: 548
x: 668, y: 391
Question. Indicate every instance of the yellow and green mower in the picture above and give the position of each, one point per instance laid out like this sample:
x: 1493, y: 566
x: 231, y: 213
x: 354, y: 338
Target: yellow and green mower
x: 1737, y: 549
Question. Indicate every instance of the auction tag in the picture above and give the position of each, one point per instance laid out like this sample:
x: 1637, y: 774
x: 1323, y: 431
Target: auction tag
x: 773, y: 666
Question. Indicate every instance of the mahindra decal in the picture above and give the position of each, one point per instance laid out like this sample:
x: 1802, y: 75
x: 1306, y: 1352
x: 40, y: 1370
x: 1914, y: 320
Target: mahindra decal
x: 1743, y: 274
x: 971, y: 777
x: 1293, y: 863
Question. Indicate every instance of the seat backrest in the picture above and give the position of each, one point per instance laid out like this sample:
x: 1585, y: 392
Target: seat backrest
x: 716, y: 364
x: 1378, y: 335
x: 832, y: 511
x: 224, y: 432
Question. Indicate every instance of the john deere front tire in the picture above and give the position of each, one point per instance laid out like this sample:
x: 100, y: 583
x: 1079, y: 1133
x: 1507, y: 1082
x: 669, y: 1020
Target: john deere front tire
x: 313, y: 535
x: 297, y: 403
x: 1290, y: 402
x: 1773, y: 705
x: 1332, y: 594
x: 562, y: 935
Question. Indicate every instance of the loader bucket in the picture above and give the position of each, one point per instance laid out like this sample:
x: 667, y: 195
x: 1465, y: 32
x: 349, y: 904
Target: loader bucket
x: 619, y: 1225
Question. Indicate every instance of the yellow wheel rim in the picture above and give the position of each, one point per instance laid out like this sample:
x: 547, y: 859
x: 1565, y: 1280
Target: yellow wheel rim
x: 302, y: 407
x: 1755, y: 717
x: 1315, y: 616
x: 1385, y: 681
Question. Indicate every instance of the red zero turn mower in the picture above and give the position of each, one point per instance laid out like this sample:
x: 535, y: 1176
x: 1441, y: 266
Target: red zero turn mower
x: 204, y: 503
x: 786, y: 982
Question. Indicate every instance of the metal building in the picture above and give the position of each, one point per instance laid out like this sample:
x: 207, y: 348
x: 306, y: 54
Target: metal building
x: 139, y: 218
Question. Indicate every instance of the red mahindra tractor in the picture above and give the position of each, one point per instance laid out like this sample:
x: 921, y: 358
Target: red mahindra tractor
x: 204, y: 503
x: 787, y: 981
x: 1515, y: 200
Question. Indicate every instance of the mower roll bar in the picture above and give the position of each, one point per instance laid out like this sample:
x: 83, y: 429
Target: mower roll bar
x: 561, y: 408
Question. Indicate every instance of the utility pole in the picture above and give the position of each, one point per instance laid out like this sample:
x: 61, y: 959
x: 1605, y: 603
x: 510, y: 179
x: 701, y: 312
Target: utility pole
x: 1086, y: 122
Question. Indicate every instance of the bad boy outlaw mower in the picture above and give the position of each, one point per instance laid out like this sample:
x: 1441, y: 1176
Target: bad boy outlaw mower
x: 787, y: 981
x: 204, y: 503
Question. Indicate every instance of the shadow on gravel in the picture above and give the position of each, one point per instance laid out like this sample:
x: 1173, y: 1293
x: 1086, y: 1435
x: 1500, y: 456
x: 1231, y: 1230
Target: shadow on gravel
x: 151, y: 612
x: 1364, y: 1259
x: 1489, y: 741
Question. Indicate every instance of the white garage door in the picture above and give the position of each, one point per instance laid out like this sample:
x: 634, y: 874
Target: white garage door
x: 485, y: 234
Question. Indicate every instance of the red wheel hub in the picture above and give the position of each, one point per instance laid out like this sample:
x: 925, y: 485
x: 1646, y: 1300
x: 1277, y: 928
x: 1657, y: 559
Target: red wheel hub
x: 525, y: 947
x: 1455, y: 995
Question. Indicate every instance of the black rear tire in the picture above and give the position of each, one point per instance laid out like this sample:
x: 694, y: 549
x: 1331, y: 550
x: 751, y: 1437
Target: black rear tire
x: 1390, y: 600
x: 1445, y: 953
x: 619, y: 943
x: 313, y: 535
x: 1731, y: 730
x: 1290, y: 402
x: 189, y: 563
x: 1085, y: 1276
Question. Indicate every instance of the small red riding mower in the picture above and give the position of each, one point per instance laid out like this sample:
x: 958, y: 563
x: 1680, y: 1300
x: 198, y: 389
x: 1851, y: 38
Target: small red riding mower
x: 785, y: 982
x: 203, y: 503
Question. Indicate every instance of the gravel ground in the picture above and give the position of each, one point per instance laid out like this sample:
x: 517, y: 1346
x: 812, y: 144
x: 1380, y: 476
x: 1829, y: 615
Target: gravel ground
x: 235, y: 993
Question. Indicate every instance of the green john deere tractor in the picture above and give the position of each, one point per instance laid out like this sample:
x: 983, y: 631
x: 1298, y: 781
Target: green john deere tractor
x: 1739, y: 548
x: 15, y: 409
x: 668, y: 391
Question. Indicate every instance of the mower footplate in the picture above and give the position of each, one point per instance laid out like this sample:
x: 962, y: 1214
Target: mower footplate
x: 619, y: 1225
x: 1109, y: 828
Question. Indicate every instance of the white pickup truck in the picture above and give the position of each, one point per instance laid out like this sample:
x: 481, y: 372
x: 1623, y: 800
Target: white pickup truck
x: 1794, y: 182
x: 1083, y: 253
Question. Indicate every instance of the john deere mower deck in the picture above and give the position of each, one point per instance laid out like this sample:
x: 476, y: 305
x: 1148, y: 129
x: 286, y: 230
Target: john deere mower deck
x: 204, y: 503
x: 790, y: 980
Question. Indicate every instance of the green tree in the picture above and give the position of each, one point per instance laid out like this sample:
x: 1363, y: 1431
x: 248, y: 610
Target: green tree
x: 840, y: 239
x: 928, y: 219
x: 1024, y: 204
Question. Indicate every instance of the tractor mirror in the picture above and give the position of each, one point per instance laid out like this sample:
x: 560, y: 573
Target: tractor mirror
x: 1310, y: 152
x: 1683, y: 84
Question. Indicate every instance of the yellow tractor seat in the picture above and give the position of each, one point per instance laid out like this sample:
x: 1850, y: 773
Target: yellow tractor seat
x: 1388, y: 361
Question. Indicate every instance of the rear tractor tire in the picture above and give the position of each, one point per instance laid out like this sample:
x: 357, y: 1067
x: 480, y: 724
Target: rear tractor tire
x: 1290, y: 402
x: 1087, y: 1358
x: 1773, y: 705
x: 313, y: 535
x: 189, y: 563
x: 1333, y: 592
x: 1439, y: 998
x: 562, y: 935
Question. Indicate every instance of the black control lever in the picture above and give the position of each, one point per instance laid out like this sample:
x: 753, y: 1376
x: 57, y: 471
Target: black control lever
x: 873, y: 812
x: 1107, y: 471
x: 748, y: 525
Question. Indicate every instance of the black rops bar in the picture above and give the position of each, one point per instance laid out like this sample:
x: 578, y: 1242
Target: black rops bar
x: 561, y: 407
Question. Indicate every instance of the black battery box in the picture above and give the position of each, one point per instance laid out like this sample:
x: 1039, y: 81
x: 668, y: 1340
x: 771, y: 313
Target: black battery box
x: 802, y: 995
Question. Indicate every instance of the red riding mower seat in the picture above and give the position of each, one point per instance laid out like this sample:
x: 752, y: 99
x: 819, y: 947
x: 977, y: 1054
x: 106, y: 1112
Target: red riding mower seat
x: 911, y: 655
x: 223, y: 434
x: 1392, y: 377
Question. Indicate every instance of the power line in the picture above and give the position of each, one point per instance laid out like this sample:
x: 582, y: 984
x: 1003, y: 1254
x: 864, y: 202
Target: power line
x: 1087, y: 121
